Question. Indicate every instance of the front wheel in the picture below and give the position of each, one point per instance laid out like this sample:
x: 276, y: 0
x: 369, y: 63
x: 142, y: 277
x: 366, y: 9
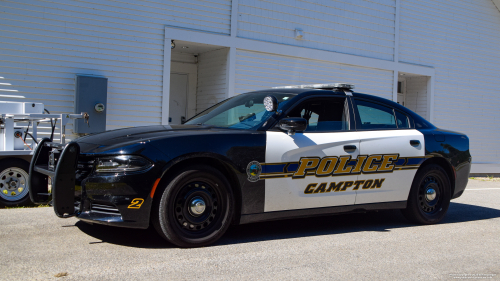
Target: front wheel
x: 429, y: 197
x: 195, y: 208
x: 14, y: 182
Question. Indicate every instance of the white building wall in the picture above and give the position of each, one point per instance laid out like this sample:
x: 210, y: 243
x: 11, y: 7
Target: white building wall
x: 205, y: 15
x: 461, y: 40
x: 212, y: 68
x: 364, y: 28
x: 45, y: 43
x: 256, y: 71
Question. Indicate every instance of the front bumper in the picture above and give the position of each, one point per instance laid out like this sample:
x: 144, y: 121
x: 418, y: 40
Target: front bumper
x: 118, y: 199
x: 97, y: 214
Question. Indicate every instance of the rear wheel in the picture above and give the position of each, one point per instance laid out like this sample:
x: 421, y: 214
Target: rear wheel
x: 14, y: 182
x: 195, y: 208
x: 429, y: 197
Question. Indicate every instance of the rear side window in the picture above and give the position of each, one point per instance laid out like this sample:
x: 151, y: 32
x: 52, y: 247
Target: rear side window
x: 375, y: 116
x: 402, y: 120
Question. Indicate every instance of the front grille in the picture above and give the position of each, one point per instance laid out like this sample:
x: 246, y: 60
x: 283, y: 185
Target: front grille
x: 84, y: 167
x: 85, y: 164
x: 104, y: 209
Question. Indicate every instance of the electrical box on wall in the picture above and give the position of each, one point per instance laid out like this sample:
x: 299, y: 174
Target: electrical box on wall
x: 91, y: 96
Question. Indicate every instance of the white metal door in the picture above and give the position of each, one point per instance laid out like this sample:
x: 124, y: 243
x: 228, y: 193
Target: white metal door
x: 178, y: 98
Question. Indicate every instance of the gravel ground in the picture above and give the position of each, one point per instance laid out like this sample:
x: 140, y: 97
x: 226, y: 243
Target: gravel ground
x: 36, y: 245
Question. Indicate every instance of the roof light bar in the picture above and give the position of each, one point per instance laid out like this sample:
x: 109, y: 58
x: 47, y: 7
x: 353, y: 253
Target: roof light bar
x: 329, y: 86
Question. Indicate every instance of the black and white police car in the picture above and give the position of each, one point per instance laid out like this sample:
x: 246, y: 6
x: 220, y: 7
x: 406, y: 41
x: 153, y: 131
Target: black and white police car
x: 280, y: 153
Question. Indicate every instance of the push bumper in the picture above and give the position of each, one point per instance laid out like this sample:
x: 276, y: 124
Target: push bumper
x: 117, y: 200
x: 62, y: 176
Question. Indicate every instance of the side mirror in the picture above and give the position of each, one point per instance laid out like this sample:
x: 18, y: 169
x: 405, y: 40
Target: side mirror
x: 293, y: 124
x: 271, y: 103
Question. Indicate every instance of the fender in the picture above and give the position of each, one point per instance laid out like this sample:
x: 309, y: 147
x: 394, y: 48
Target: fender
x: 450, y: 150
x: 234, y: 149
x: 227, y: 167
x: 172, y: 163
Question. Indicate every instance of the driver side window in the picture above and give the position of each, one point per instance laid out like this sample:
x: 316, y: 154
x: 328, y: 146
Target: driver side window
x: 323, y: 114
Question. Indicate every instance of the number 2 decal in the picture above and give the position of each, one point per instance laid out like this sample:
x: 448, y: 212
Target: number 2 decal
x: 136, y: 203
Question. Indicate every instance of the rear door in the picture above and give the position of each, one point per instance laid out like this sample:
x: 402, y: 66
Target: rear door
x: 391, y: 150
x: 314, y: 168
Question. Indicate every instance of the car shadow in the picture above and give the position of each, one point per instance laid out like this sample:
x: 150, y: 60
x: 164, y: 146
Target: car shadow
x: 381, y: 221
x: 137, y: 238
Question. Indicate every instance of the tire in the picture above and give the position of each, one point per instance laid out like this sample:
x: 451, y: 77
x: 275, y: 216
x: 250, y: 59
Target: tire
x: 425, y: 208
x: 177, y: 217
x: 14, y: 189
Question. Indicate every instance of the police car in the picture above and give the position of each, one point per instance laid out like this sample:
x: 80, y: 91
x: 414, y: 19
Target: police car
x: 285, y: 152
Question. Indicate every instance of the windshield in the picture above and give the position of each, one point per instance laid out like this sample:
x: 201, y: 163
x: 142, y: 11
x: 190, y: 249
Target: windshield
x: 245, y: 111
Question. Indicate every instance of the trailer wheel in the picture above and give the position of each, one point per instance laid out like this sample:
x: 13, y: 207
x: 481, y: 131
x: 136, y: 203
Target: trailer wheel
x: 14, y: 182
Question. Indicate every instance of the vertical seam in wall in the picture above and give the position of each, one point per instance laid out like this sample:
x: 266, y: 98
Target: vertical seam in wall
x: 231, y: 55
x: 230, y: 72
x: 396, y: 31
x: 234, y: 18
x: 395, y: 86
x: 396, y: 52
x: 430, y: 97
x: 165, y: 100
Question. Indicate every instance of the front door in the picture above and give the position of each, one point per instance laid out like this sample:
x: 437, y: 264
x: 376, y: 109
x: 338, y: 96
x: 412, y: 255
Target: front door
x: 178, y: 98
x: 314, y: 168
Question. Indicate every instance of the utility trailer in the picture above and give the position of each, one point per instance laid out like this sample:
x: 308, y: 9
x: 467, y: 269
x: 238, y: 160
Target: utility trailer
x: 16, y: 153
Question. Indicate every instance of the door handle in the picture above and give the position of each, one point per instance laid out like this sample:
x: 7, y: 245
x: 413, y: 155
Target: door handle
x: 414, y: 142
x: 349, y: 148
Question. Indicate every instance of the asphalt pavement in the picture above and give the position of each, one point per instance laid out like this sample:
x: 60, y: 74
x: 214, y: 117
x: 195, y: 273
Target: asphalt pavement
x: 36, y: 245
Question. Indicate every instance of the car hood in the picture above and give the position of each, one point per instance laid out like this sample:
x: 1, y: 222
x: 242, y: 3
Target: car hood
x: 115, y: 140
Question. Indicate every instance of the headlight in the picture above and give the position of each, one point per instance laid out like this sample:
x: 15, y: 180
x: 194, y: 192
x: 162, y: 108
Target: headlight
x: 122, y: 163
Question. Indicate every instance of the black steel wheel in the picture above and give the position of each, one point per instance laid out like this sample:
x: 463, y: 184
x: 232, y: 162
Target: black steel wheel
x: 195, y: 208
x: 14, y: 189
x: 429, y: 197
